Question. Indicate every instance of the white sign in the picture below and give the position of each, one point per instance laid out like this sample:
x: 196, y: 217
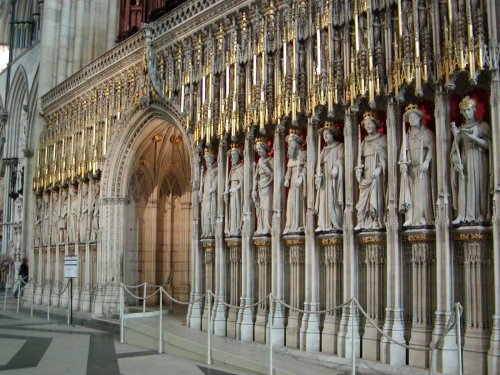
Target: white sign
x: 70, y: 266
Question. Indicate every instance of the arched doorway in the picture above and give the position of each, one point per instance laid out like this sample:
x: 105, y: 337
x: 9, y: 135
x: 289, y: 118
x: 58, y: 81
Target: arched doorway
x: 159, y: 211
x: 146, y: 212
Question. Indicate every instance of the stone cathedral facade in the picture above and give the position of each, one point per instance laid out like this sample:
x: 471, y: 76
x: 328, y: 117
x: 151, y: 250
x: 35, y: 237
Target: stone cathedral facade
x: 315, y: 150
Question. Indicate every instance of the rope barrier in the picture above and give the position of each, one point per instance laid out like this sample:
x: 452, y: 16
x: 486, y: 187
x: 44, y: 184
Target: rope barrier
x: 319, y: 312
x: 184, y: 303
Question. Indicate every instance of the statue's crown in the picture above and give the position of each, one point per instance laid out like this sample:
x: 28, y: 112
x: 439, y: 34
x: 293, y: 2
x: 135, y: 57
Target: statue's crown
x: 467, y: 102
x: 411, y: 107
x: 370, y: 115
x: 260, y: 140
x: 209, y: 151
x: 235, y: 146
x: 294, y: 131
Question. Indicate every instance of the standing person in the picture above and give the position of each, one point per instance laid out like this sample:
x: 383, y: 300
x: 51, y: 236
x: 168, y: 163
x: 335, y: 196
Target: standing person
x: 23, y: 275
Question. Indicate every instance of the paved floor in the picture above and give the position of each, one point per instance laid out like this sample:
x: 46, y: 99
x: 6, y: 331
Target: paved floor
x: 35, y: 346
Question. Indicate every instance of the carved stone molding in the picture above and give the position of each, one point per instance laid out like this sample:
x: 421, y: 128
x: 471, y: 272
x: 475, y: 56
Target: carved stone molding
x: 419, y: 237
x: 210, y: 244
x: 371, y: 239
x: 472, y: 236
x: 331, y: 241
x: 262, y: 242
x: 233, y: 243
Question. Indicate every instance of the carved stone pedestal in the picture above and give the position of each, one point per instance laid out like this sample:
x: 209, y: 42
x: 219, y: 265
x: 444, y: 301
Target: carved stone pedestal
x: 475, y: 290
x: 263, y: 258
x: 234, y: 260
x: 372, y: 289
x: 331, y: 292
x: 208, y: 246
x: 295, y: 278
x: 419, y: 296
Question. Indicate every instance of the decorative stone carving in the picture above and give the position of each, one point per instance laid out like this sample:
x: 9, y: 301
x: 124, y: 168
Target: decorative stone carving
x: 371, y: 173
x: 46, y: 219
x: 94, y: 228
x: 63, y: 216
x: 54, y: 218
x: 38, y: 221
x: 330, y: 181
x: 84, y: 213
x: 208, y: 196
x: 470, y: 167
x: 74, y: 216
x: 262, y: 191
x: 416, y: 163
x: 233, y: 196
x: 295, y: 180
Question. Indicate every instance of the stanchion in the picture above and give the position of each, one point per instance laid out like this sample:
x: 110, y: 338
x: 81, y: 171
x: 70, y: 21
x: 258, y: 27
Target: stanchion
x: 353, y: 350
x: 209, y: 330
x: 18, y: 294
x: 121, y: 313
x: 69, y: 307
x: 5, y: 297
x: 459, y: 337
x: 160, y: 350
x: 270, y: 336
x: 48, y: 302
x: 144, y: 298
x: 33, y: 302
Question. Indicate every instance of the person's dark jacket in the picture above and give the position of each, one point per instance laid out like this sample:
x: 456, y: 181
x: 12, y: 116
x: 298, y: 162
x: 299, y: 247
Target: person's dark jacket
x: 23, y: 271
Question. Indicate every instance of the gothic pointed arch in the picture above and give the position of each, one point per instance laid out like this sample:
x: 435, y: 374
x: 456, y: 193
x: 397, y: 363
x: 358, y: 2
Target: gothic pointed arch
x: 131, y: 132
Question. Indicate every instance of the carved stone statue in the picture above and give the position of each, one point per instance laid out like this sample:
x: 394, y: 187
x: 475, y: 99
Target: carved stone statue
x: 330, y: 182
x: 46, y: 219
x: 371, y: 173
x: 84, y: 213
x: 234, y: 194
x: 208, y: 196
x: 38, y: 221
x: 416, y: 164
x: 63, y: 216
x: 470, y: 167
x: 95, y: 213
x: 262, y: 191
x: 54, y: 219
x: 74, y: 216
x: 295, y: 180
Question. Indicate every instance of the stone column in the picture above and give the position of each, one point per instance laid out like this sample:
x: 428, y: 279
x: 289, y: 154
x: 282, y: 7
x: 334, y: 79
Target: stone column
x: 391, y: 352
x: 445, y: 357
x: 247, y: 314
x: 295, y: 278
x: 39, y: 276
x: 372, y: 280
x: 332, y: 291
x: 63, y: 295
x: 494, y: 351
x: 56, y: 282
x: 86, y: 284
x: 219, y: 315
x: 263, y: 248
x: 420, y: 296
x: 478, y: 289
x: 209, y: 272
x: 350, y: 247
x: 311, y: 322
x: 44, y: 285
x: 234, y: 260
x: 195, y: 309
x: 278, y: 253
